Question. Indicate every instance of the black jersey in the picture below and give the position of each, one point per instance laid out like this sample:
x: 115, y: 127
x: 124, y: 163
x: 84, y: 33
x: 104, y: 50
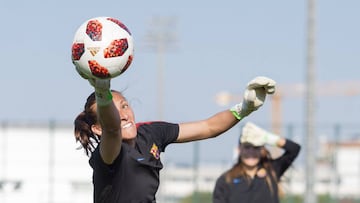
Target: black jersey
x: 134, y: 175
x: 240, y: 190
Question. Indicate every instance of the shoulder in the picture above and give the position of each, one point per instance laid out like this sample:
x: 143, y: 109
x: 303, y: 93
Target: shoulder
x: 154, y: 124
x: 222, y: 178
x: 97, y: 163
x: 157, y: 128
x: 159, y: 132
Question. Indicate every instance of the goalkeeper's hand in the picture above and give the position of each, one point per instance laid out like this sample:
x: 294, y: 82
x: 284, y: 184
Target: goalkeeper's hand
x: 254, y: 96
x: 102, y: 90
x: 257, y: 136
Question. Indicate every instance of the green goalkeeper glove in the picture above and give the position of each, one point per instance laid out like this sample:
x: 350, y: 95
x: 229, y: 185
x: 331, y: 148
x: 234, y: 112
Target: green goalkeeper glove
x: 254, y: 96
x: 102, y: 91
x: 257, y: 136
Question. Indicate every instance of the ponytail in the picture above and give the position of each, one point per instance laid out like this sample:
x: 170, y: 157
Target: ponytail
x: 82, y: 126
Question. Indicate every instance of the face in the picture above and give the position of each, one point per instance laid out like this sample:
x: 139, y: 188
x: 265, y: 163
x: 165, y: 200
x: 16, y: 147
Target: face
x: 250, y: 155
x: 128, y: 127
x: 250, y: 161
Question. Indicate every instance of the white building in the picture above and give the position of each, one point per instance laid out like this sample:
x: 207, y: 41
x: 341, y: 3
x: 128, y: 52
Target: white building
x: 42, y: 165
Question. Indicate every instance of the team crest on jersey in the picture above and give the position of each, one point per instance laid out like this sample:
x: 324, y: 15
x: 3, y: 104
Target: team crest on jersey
x: 155, y: 151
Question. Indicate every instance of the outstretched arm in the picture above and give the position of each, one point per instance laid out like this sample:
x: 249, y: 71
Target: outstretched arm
x: 109, y: 121
x: 254, y: 98
x: 208, y: 128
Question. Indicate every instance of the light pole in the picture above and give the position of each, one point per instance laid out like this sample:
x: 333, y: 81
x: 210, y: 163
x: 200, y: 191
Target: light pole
x: 310, y: 196
x: 160, y: 38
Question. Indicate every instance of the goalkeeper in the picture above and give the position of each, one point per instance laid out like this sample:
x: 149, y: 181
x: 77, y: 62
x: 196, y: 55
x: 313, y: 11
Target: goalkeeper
x: 255, y: 176
x: 125, y: 155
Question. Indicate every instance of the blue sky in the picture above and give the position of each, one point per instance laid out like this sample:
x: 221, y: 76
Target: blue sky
x: 221, y: 45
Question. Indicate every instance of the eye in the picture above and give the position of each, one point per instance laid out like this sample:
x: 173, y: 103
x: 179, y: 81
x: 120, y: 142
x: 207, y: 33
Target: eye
x: 125, y: 106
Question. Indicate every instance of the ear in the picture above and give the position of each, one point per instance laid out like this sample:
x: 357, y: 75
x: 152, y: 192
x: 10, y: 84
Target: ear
x: 238, y: 151
x: 96, y: 129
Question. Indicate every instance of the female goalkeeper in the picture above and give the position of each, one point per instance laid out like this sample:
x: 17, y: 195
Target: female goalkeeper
x: 255, y: 176
x: 125, y: 155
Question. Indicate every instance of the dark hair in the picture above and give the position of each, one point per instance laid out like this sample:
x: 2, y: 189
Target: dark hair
x: 82, y: 125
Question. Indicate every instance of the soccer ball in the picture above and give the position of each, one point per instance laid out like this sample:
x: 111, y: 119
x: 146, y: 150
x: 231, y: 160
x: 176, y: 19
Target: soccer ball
x: 102, y: 48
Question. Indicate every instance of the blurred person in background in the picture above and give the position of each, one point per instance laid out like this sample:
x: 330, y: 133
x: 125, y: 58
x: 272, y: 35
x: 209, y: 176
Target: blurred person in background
x: 255, y: 176
x: 125, y: 155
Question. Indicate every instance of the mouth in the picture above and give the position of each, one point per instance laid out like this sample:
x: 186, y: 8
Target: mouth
x: 128, y: 125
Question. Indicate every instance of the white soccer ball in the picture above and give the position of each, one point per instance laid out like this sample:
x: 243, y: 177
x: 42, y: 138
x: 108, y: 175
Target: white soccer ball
x: 102, y: 48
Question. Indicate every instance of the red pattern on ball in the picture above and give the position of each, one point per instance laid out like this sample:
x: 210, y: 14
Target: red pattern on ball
x: 98, y: 70
x: 94, y: 30
x: 77, y: 51
x: 116, y: 48
x: 118, y: 22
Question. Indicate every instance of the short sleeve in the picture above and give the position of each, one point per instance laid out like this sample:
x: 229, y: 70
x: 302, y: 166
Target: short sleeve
x: 163, y: 133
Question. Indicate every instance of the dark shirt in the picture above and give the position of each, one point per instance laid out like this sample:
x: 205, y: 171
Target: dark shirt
x: 134, y: 175
x: 240, y: 190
